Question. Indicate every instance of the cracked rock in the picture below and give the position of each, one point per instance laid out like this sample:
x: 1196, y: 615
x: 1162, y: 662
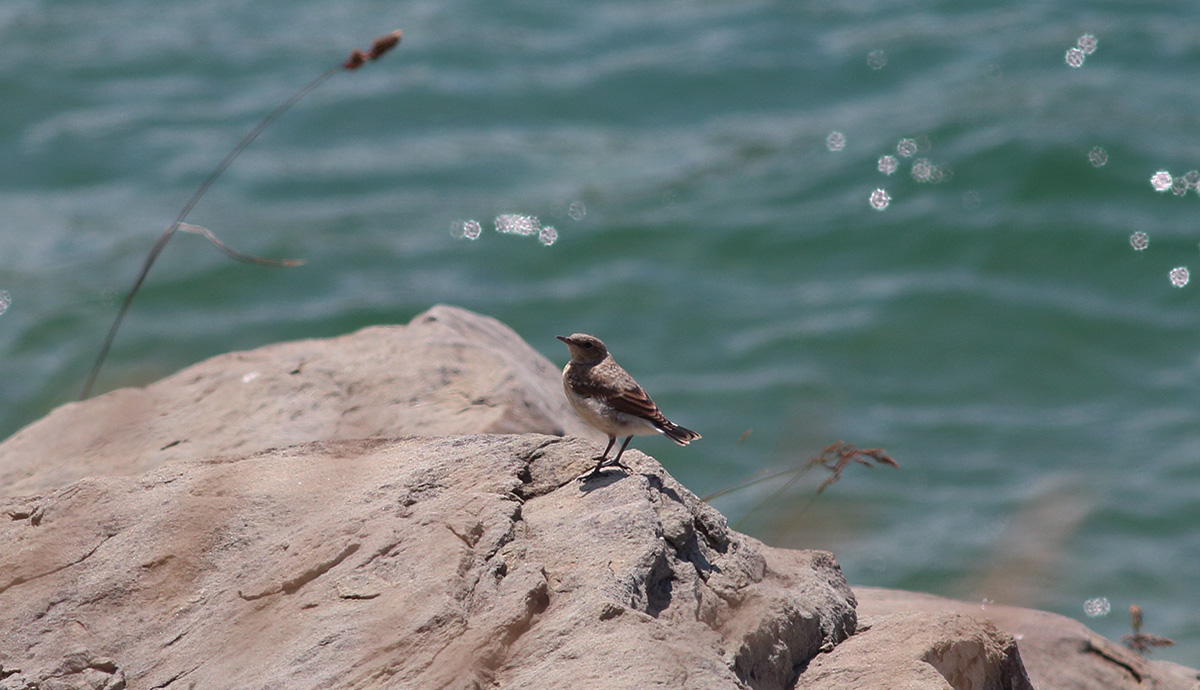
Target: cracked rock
x: 1056, y: 651
x: 399, y: 508
x: 448, y: 371
x: 291, y: 568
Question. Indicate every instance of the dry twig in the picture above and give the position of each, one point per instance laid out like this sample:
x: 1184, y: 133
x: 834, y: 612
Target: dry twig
x: 834, y: 457
x: 1140, y: 642
x: 357, y: 58
x: 233, y: 253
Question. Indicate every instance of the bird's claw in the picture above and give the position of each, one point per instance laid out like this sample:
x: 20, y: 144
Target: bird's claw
x: 601, y: 464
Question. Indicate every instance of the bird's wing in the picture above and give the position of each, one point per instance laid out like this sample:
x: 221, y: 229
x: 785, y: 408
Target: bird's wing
x: 629, y: 398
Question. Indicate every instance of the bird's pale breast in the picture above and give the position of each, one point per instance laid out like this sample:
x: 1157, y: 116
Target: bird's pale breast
x: 605, y: 417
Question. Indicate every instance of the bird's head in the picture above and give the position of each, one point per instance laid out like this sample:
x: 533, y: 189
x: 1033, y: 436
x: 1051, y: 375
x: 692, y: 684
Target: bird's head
x: 585, y: 349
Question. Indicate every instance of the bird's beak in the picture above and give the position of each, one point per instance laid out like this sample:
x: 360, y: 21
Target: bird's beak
x: 563, y: 338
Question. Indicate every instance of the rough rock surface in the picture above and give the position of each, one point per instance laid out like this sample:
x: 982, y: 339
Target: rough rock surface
x: 448, y: 371
x: 254, y: 522
x: 939, y: 650
x: 1058, y: 652
x: 448, y: 562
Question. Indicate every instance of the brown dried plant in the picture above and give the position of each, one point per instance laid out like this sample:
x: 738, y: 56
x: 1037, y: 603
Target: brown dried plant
x: 835, y: 458
x: 357, y: 58
x: 381, y: 46
x: 1140, y: 642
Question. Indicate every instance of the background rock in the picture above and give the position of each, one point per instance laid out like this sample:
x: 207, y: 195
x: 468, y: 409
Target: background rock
x: 1058, y: 652
x: 925, y: 650
x: 448, y: 371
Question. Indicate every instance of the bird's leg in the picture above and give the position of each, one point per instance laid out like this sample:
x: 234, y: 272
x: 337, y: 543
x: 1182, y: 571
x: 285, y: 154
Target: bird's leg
x: 600, y: 460
x: 604, y: 456
x: 617, y: 460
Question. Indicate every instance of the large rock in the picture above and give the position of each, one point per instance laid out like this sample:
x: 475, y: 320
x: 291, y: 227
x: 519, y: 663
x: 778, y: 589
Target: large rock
x: 254, y: 522
x: 449, y: 371
x: 451, y: 562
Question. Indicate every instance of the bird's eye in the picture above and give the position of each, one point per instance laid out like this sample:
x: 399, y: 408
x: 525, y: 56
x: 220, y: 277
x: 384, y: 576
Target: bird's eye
x: 587, y: 345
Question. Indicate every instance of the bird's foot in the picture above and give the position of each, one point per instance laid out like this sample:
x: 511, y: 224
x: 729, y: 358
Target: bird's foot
x: 618, y: 463
x: 601, y: 463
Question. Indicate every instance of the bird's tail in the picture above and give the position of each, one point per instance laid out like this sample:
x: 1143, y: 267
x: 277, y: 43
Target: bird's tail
x: 678, y: 434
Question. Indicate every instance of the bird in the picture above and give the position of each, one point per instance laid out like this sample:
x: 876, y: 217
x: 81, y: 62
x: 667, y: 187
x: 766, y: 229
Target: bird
x: 609, y: 399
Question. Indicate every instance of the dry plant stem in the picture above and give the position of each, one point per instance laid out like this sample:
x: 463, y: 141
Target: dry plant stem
x: 843, y: 452
x: 759, y: 478
x: 1140, y: 642
x: 776, y: 494
x: 382, y: 45
x: 1144, y: 643
x: 834, y: 457
x: 233, y: 253
x: 187, y: 208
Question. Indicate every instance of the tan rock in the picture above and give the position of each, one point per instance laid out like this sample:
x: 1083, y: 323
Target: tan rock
x: 1058, y: 652
x: 445, y: 562
x: 448, y: 372
x: 918, y: 650
x: 253, y: 522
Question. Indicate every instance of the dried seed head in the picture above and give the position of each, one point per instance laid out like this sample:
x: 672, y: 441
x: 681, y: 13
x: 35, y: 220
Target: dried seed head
x: 384, y: 43
x: 357, y: 59
x: 381, y: 46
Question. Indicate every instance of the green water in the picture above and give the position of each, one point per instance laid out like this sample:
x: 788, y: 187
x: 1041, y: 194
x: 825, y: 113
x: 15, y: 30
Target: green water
x: 995, y: 332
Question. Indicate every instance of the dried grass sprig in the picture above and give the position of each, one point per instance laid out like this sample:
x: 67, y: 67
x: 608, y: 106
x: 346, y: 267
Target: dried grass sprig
x: 382, y: 45
x: 233, y: 253
x: 1140, y: 642
x: 835, y: 457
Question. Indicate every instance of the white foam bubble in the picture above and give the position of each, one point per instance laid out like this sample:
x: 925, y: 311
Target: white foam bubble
x: 880, y: 199
x: 1179, y: 276
x: 1161, y: 181
x: 1096, y: 607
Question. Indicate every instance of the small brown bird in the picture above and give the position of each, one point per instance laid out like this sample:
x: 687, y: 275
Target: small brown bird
x: 608, y: 398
